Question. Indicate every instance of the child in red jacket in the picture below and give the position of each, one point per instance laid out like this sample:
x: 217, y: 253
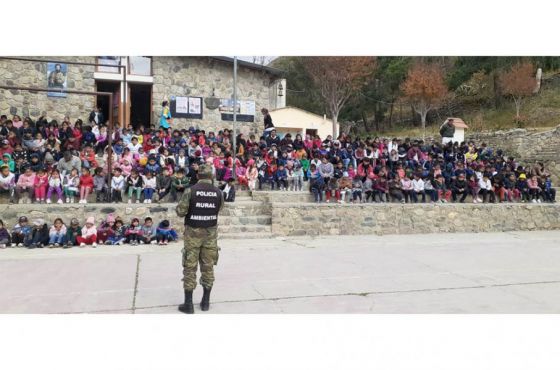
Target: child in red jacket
x: 86, y: 185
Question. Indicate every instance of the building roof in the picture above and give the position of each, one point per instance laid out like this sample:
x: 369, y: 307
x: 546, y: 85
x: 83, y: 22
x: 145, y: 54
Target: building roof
x: 243, y: 63
x: 301, y: 110
x: 458, y: 122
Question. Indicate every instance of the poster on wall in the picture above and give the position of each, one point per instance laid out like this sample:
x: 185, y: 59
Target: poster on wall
x: 245, y: 110
x: 57, y: 79
x: 186, y: 107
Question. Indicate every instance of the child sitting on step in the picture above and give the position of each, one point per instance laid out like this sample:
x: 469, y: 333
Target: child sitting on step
x: 105, y: 230
x: 89, y: 234
x: 165, y: 233
x: 357, y: 190
x: 57, y: 233
x: 228, y: 190
x: 55, y: 185
x: 332, y: 190
x: 72, y: 233
x: 345, y: 188
x: 118, y: 237
x: 4, y: 236
x: 71, y: 183
x: 133, y: 232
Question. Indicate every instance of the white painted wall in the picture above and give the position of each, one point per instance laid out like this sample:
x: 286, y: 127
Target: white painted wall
x: 459, y: 135
x: 296, y: 120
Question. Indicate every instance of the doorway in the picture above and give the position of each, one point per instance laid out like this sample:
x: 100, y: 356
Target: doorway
x: 103, y: 101
x: 311, y: 132
x: 140, y: 105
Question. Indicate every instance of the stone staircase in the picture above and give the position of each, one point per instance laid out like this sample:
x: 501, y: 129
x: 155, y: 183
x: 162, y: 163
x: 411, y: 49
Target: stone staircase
x: 246, y: 218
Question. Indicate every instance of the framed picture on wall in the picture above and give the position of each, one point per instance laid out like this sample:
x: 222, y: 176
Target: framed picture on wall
x: 57, y: 75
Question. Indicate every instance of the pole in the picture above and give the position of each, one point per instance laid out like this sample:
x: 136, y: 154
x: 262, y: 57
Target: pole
x: 110, y: 144
x: 234, y: 115
x: 125, y: 91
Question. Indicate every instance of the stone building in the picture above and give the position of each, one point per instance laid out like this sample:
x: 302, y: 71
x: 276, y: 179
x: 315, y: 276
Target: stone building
x: 198, y: 89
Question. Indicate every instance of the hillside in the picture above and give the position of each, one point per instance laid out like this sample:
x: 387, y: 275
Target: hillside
x: 475, y: 92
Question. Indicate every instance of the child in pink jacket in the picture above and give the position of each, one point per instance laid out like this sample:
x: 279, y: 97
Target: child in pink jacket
x: 89, y: 234
x: 26, y: 184
x: 41, y: 183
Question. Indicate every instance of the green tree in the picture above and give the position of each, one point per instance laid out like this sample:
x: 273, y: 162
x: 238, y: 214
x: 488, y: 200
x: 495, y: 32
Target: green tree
x: 374, y: 104
x: 300, y: 92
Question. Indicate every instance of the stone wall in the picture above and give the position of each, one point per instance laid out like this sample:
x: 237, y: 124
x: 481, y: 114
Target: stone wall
x: 528, y: 146
x: 34, y: 74
x: 179, y: 76
x: 198, y: 76
x: 238, y: 219
x: 11, y: 212
x: 327, y: 219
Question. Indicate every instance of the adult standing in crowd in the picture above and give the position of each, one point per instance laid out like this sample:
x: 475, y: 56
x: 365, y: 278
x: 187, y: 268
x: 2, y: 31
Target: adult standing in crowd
x: 200, y: 206
x: 166, y: 119
x: 268, y: 125
x: 69, y: 162
x: 96, y: 116
x: 447, y: 131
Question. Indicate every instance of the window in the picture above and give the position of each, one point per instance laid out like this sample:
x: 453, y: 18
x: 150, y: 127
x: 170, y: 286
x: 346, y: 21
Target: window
x: 140, y: 66
x: 108, y: 60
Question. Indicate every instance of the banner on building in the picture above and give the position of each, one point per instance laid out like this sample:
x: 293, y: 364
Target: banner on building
x: 57, y: 75
x: 186, y: 107
x: 245, y: 110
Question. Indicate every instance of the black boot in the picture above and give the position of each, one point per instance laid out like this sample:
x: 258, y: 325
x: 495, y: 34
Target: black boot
x: 205, y: 302
x: 187, y: 307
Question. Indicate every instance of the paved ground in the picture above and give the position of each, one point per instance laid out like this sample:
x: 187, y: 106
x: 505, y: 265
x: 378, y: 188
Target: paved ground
x: 516, y: 272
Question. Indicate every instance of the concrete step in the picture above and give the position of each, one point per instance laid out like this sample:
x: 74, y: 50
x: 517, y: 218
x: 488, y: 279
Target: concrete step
x: 243, y: 198
x: 252, y: 208
x: 248, y: 229
x: 260, y: 235
x: 283, y: 196
x: 245, y: 220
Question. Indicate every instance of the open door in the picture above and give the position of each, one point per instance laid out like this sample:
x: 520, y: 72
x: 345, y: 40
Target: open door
x: 103, y: 101
x: 140, y: 108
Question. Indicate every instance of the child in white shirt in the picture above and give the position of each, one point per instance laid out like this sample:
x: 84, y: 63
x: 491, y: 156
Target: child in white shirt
x: 117, y: 185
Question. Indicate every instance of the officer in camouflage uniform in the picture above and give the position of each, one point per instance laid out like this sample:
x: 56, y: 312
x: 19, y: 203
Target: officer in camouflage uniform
x: 200, y: 205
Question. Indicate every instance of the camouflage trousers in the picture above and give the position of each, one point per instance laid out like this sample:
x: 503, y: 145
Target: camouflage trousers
x: 200, y: 246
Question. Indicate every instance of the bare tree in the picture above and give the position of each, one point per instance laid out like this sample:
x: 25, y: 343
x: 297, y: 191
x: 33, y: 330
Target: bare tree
x: 262, y: 60
x: 519, y: 82
x: 425, y: 89
x: 338, y: 78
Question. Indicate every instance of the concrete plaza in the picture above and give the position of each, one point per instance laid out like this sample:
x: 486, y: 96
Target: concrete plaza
x: 513, y: 272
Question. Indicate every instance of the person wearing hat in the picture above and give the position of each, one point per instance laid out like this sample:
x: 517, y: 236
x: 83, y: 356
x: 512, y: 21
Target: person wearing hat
x: 89, y: 234
x: 200, y: 205
x: 522, y: 188
x: 8, y: 161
